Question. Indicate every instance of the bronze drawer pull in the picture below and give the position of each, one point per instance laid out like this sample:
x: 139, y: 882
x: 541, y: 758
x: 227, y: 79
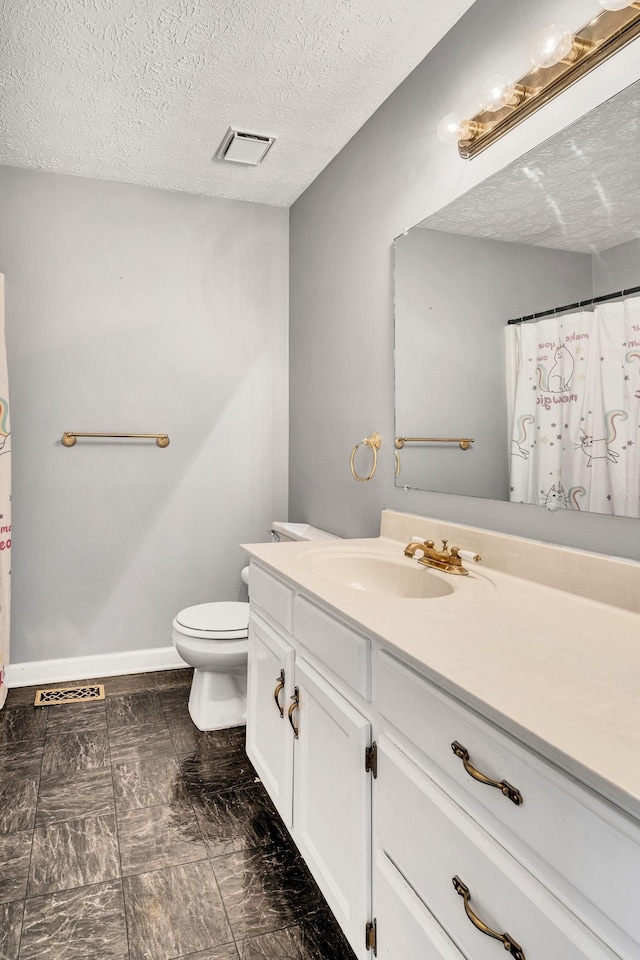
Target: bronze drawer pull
x: 276, y: 693
x: 506, y: 940
x: 296, y: 702
x: 505, y: 788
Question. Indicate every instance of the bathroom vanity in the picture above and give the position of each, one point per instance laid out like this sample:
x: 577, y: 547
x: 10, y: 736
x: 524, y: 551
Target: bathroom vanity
x: 455, y: 757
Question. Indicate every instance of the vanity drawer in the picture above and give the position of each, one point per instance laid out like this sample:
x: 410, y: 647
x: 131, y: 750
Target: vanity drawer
x: 591, y: 845
x: 272, y: 596
x: 431, y: 840
x: 345, y: 652
x: 406, y: 930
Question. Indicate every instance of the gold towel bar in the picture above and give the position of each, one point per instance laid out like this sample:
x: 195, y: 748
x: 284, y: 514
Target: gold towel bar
x: 162, y: 439
x: 465, y: 442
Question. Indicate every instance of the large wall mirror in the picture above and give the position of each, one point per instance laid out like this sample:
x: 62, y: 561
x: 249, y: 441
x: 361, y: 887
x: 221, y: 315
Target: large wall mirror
x: 552, y: 402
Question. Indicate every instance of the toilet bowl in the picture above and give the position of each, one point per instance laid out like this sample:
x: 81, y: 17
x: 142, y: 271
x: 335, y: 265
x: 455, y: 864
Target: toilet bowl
x: 213, y: 639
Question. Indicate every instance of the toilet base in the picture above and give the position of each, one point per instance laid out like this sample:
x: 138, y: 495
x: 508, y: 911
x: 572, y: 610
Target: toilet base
x: 218, y: 700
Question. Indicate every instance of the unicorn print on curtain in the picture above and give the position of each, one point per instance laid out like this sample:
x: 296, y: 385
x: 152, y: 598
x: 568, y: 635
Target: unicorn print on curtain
x: 5, y: 508
x: 575, y: 437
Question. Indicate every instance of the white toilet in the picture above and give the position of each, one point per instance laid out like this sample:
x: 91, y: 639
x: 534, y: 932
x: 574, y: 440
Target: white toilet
x: 213, y: 639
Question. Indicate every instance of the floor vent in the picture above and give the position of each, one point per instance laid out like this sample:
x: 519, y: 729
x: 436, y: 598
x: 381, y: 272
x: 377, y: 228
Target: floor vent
x: 69, y: 695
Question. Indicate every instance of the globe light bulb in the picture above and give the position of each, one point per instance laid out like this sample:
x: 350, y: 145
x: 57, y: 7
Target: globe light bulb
x: 551, y: 45
x: 615, y: 4
x: 453, y: 128
x: 496, y: 92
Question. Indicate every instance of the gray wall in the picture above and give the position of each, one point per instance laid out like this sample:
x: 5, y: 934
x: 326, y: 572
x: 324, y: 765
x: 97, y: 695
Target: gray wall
x: 137, y: 310
x: 392, y: 174
x: 450, y: 349
x: 617, y: 268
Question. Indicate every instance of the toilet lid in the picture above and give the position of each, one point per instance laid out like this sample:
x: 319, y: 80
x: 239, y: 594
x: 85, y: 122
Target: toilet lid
x: 224, y: 617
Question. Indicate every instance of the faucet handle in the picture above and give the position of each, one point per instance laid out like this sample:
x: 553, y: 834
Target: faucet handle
x: 469, y: 555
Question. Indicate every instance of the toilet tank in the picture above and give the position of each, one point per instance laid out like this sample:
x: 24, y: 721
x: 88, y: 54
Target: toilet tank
x: 281, y: 530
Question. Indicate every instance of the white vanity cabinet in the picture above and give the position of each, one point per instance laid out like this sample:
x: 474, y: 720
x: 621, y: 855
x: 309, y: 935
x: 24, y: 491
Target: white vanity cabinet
x: 269, y: 688
x: 332, y: 799
x: 445, y: 846
x: 416, y: 852
x: 308, y: 744
x: 581, y: 847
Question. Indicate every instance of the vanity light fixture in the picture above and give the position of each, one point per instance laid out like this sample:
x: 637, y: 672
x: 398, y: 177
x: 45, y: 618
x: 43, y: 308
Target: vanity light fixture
x: 554, y: 44
x: 617, y: 4
x: 453, y: 129
x: 500, y: 91
x: 559, y: 58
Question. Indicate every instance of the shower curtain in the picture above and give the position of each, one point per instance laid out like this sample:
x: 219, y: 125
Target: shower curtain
x: 5, y: 507
x: 575, y: 416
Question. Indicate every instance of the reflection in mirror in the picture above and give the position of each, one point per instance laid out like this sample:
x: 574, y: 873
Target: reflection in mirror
x: 552, y: 403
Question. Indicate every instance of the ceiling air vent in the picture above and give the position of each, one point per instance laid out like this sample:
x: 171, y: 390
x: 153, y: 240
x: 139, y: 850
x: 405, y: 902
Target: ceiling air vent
x: 240, y: 147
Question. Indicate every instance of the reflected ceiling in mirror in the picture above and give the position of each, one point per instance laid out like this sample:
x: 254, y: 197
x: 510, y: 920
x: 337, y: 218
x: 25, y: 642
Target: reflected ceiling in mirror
x: 558, y: 226
x: 578, y: 191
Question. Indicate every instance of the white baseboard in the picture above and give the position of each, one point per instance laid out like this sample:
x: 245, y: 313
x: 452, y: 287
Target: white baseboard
x: 85, y: 668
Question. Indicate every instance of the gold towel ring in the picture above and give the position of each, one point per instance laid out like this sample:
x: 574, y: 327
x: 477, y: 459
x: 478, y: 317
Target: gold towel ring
x: 374, y: 442
x: 397, y: 470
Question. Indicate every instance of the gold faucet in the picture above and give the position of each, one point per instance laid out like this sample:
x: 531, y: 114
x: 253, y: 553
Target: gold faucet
x: 447, y: 560
x: 410, y: 549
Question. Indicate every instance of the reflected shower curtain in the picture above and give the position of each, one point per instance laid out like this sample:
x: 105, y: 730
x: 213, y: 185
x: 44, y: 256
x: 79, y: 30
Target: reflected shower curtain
x: 575, y: 435
x: 5, y: 508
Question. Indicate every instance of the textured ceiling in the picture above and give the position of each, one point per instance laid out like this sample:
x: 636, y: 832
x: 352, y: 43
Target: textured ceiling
x: 143, y: 91
x: 580, y: 190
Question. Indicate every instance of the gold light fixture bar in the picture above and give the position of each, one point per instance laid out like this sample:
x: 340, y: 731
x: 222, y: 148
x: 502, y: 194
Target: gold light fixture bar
x: 69, y: 439
x: 465, y: 442
x: 594, y: 43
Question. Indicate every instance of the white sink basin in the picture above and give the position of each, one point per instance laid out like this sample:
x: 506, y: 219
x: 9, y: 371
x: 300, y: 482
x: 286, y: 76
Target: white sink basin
x: 383, y: 575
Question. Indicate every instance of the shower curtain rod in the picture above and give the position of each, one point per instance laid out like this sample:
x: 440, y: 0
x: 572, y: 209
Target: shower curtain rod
x: 572, y: 306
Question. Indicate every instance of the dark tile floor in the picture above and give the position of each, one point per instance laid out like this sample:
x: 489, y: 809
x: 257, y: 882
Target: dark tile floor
x: 127, y: 834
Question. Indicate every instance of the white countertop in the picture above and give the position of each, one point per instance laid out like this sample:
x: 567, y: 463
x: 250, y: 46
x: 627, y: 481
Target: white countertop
x: 560, y: 672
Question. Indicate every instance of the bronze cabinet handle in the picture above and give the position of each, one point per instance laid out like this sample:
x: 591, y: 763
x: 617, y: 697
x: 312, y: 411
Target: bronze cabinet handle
x: 506, y: 940
x: 505, y: 788
x: 296, y: 701
x: 276, y: 693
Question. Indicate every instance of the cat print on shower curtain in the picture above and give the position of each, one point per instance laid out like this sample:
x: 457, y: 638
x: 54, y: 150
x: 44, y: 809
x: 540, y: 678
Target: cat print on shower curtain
x: 600, y: 449
x: 558, y: 378
x: 575, y: 440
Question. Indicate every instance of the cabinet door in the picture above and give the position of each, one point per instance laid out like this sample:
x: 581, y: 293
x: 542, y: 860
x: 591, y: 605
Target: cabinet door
x: 404, y: 927
x: 332, y: 800
x: 269, y: 736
